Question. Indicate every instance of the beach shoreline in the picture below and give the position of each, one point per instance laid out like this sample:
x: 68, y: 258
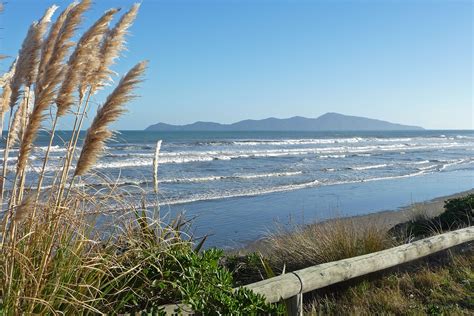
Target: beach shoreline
x: 385, y: 219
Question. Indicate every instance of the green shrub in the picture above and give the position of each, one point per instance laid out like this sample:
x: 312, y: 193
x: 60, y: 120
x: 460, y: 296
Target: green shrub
x: 158, y: 265
x: 459, y: 212
x: 208, y: 287
x: 195, y: 279
x: 246, y: 269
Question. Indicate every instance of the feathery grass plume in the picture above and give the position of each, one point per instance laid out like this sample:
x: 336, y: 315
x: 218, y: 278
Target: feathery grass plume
x: 5, y: 83
x: 7, y: 77
x: 15, y: 127
x: 28, y: 56
x: 49, y: 44
x: 93, y: 63
x: 21, y: 67
x: 155, y: 165
x: 46, y: 90
x: 79, y: 59
x: 53, y: 67
x: 113, y: 44
x: 33, y: 53
x: 4, y: 105
x: 42, y: 102
x: 113, y: 107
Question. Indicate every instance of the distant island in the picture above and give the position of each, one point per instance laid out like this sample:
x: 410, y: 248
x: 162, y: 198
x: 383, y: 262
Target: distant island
x: 326, y: 122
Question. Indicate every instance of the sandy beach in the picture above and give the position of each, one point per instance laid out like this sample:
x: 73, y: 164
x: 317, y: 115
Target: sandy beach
x: 386, y: 219
x: 390, y: 218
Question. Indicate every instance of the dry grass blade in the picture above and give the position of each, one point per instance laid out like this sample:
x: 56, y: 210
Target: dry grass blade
x: 325, y: 242
x: 98, y: 133
x: 113, y: 44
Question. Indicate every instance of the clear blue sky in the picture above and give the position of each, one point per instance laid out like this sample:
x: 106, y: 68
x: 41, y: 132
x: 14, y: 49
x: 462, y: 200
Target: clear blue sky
x: 403, y: 61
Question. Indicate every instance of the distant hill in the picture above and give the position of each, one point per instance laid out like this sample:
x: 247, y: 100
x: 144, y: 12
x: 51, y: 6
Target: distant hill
x: 326, y: 122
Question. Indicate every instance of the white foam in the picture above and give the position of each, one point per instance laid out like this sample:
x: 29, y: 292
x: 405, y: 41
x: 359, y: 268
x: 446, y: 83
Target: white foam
x: 427, y: 167
x: 237, y: 176
x: 369, y: 167
x: 283, y: 188
x: 418, y: 162
x: 253, y: 192
x: 332, y: 156
x: 419, y: 173
x: 450, y: 163
x: 55, y: 148
x: 283, y: 142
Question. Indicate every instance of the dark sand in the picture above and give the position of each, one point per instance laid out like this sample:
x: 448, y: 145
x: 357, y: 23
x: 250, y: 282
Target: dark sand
x: 383, y: 219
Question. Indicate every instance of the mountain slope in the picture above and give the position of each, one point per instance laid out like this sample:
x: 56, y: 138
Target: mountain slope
x: 326, y: 122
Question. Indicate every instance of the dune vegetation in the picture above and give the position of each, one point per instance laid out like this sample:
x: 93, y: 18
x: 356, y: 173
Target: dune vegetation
x: 440, y: 284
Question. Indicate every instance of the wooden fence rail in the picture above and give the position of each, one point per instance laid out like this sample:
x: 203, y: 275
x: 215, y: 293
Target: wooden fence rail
x: 290, y: 287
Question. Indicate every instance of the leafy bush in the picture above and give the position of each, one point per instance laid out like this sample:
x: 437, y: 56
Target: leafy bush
x: 207, y: 286
x: 459, y: 212
x: 160, y: 266
x: 246, y: 269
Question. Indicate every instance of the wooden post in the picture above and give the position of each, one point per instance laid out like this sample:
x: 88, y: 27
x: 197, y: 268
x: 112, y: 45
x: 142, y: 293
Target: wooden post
x: 294, y: 305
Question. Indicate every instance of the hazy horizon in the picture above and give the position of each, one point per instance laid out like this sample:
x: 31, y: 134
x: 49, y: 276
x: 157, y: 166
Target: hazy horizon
x: 402, y: 62
x: 256, y: 119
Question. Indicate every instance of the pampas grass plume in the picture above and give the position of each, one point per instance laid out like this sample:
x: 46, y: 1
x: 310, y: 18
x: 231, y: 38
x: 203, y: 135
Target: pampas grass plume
x: 15, y: 127
x: 46, y: 93
x: 80, y: 59
x: 109, y: 112
x: 113, y: 44
x: 51, y: 40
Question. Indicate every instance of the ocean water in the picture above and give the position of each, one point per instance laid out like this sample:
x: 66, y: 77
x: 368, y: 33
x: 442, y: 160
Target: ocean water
x: 238, y: 184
